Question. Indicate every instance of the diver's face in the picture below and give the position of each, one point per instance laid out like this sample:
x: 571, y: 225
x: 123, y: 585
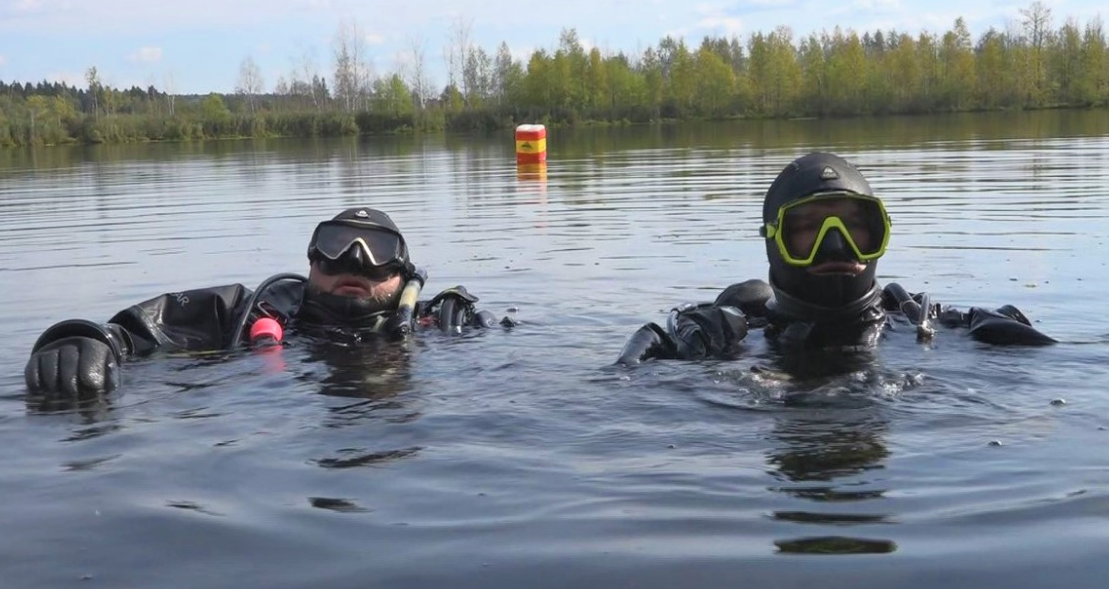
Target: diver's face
x: 806, y: 220
x: 382, y: 289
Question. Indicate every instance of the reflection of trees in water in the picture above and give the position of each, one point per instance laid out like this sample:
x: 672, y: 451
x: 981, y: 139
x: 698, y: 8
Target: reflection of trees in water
x: 374, y: 374
x: 374, y: 369
x: 827, y: 437
x: 825, y: 445
x: 835, y: 545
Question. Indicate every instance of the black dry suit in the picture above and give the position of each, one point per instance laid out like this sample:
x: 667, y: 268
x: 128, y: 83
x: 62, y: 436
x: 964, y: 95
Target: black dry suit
x: 715, y: 330
x: 77, y: 357
x: 832, y: 311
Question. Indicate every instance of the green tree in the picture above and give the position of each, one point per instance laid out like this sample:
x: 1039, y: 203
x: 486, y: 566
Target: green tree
x: 760, y: 73
x: 682, y: 84
x: 715, y: 84
x: 94, y: 90
x: 37, y: 106
x: 786, y: 73
x: 847, y: 73
x: 650, y: 67
x: 628, y: 94
x: 213, y: 108
x: 995, y: 85
x: 814, y: 68
x: 392, y: 96
x: 477, y: 76
x: 538, y: 81
x: 1093, y: 83
x: 596, y: 81
x: 63, y: 109
x: 957, y: 56
x: 904, y: 73
x: 508, y: 77
x: 570, y: 71
x: 928, y: 57
x: 1066, y: 63
x: 1036, y: 23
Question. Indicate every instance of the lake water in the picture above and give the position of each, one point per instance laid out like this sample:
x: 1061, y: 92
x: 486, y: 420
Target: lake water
x: 523, y: 458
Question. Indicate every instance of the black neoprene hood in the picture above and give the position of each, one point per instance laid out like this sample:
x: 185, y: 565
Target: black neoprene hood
x: 813, y: 173
x: 799, y: 292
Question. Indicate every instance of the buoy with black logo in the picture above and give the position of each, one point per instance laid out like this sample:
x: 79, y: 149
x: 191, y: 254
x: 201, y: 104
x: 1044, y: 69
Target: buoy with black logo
x: 531, y: 144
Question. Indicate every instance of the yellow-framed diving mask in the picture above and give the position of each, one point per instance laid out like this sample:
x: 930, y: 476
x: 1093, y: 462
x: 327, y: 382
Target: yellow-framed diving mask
x: 802, y: 225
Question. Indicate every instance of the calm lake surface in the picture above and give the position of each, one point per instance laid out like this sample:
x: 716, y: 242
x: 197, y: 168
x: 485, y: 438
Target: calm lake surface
x: 523, y: 458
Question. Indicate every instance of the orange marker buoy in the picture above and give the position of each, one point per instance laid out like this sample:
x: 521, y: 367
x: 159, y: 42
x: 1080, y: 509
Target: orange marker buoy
x: 531, y: 144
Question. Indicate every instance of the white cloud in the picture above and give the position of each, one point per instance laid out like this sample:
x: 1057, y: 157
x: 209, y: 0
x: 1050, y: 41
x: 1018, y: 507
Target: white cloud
x: 148, y: 54
x: 715, y: 19
x: 374, y: 39
x: 26, y: 6
x: 885, y: 5
x: 729, y: 25
x: 3, y: 60
x: 70, y: 78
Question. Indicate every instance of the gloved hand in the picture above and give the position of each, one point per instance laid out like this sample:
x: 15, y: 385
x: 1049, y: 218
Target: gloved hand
x: 706, y: 330
x: 452, y: 308
x: 649, y: 341
x: 1005, y: 326
x: 75, y: 366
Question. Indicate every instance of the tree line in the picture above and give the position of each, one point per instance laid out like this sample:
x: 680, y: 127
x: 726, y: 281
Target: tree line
x: 1029, y: 65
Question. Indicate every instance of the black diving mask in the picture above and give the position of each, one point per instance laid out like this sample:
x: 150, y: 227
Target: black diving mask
x: 338, y: 247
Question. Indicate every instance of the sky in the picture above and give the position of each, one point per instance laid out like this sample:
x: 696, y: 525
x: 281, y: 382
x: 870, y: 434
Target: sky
x: 199, y: 46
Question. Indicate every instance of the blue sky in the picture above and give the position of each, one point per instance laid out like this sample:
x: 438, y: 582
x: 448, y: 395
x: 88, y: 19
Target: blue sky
x: 197, y: 46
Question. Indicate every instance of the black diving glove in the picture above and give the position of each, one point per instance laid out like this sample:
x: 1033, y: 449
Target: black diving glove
x: 707, y: 330
x: 693, y: 332
x: 1006, y: 326
x: 76, y: 366
x: 649, y: 341
x: 454, y: 309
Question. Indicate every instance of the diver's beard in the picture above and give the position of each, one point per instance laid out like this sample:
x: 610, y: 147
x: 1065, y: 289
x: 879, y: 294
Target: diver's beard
x: 331, y: 309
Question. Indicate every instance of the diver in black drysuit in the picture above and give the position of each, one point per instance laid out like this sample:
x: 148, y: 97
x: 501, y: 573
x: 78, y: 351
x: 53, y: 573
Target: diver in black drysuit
x: 825, y: 231
x: 362, y: 285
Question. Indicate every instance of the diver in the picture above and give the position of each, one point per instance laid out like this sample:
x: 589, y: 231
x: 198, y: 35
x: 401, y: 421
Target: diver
x: 361, y: 285
x: 824, y: 231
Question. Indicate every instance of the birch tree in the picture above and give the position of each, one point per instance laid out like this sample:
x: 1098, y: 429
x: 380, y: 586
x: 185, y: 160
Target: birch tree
x: 351, y: 78
x: 250, y: 83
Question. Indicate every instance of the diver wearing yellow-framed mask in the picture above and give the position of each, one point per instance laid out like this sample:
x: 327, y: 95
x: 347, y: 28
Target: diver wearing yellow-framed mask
x: 824, y: 230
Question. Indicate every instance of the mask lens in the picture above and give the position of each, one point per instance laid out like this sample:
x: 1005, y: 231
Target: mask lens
x: 351, y: 264
x: 332, y: 240
x: 861, y: 221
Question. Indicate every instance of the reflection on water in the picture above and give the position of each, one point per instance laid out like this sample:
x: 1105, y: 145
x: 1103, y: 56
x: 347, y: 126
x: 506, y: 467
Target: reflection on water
x: 523, y: 457
x: 826, y: 446
x: 831, y: 459
x: 375, y: 369
x: 353, y: 457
